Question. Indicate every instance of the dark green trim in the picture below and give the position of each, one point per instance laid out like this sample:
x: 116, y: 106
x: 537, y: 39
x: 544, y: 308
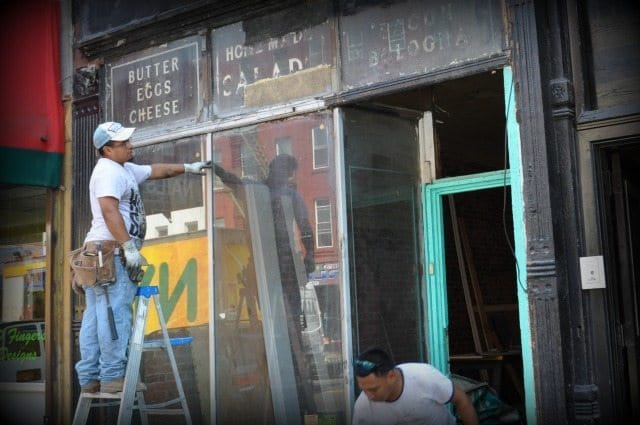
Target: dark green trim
x: 30, y: 167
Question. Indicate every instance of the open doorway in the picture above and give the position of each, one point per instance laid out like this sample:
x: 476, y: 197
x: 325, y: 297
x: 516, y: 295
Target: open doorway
x: 484, y: 329
x: 479, y: 297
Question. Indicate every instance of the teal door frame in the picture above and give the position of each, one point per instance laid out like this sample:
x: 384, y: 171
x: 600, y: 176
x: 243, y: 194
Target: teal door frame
x: 438, y: 313
x: 436, y: 286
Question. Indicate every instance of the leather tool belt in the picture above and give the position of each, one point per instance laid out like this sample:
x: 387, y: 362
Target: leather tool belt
x: 94, y: 263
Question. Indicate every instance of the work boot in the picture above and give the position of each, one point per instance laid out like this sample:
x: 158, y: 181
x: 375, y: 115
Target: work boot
x: 91, y: 387
x: 116, y: 386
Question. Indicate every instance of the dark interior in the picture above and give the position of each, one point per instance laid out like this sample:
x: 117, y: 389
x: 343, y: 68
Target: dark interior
x: 469, y: 122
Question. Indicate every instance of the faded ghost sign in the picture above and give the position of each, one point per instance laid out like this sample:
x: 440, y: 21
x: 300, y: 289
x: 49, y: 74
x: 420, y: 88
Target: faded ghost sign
x: 275, y: 66
x: 389, y: 42
x: 156, y: 87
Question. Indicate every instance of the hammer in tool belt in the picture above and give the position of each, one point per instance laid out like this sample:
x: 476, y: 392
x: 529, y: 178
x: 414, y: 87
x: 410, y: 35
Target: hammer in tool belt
x: 105, y: 286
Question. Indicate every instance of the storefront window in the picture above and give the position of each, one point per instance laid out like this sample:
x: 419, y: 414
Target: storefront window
x: 279, y: 355
x: 177, y: 250
x: 23, y: 258
x: 273, y: 59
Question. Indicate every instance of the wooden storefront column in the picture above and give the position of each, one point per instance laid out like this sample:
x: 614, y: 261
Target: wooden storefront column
x: 542, y: 276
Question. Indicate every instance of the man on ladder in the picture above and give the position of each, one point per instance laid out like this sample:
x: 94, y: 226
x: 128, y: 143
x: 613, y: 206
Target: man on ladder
x: 116, y: 234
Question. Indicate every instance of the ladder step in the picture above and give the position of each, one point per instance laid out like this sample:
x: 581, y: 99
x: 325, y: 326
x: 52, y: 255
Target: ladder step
x: 157, y: 406
x: 105, y: 396
x: 147, y: 291
x: 164, y: 412
x: 115, y: 396
x: 159, y: 343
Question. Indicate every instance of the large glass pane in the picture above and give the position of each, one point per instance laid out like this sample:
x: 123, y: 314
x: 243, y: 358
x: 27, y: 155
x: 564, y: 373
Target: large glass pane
x: 277, y: 293
x: 177, y: 250
x: 382, y: 183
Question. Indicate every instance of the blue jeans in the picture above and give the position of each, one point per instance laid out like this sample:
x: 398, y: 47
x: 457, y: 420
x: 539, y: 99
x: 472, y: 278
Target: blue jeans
x: 101, y: 358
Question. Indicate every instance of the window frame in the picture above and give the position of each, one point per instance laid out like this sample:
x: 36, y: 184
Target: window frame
x: 317, y: 210
x: 324, y: 148
x: 286, y: 141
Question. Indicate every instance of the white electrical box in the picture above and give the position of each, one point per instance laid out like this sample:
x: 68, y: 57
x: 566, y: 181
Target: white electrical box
x: 592, y: 272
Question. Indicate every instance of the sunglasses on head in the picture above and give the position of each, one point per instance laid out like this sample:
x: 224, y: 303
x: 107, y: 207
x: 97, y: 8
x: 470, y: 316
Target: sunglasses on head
x: 365, y: 367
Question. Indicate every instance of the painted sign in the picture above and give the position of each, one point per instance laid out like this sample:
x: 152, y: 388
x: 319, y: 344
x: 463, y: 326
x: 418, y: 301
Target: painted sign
x: 21, y: 343
x: 160, y: 86
x: 414, y: 37
x: 180, y: 270
x: 256, y: 60
x: 325, y: 273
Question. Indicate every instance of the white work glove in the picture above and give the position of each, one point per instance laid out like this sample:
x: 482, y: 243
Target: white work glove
x: 197, y: 167
x: 133, y: 258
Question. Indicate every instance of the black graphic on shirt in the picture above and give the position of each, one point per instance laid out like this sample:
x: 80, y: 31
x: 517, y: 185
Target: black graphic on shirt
x: 138, y: 228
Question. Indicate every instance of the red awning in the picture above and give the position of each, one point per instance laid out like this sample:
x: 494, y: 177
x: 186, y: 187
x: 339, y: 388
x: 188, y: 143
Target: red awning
x: 31, y: 115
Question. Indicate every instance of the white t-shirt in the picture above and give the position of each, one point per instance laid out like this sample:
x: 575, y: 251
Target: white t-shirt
x: 121, y: 182
x: 423, y: 401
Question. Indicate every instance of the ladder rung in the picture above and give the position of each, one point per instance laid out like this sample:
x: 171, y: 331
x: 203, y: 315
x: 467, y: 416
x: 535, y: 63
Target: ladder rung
x: 164, y: 412
x: 147, y: 291
x: 157, y: 406
x: 159, y: 343
x: 102, y: 395
x: 113, y: 396
x: 106, y: 404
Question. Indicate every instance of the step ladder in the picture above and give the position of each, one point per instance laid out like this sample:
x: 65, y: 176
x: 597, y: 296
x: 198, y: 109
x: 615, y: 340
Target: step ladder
x: 130, y: 399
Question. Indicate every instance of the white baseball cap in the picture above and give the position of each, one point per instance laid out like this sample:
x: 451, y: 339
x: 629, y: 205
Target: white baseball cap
x: 108, y: 131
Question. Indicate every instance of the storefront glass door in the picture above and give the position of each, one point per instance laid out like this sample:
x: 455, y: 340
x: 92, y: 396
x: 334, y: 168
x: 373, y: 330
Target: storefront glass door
x: 23, y: 286
x: 381, y: 178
